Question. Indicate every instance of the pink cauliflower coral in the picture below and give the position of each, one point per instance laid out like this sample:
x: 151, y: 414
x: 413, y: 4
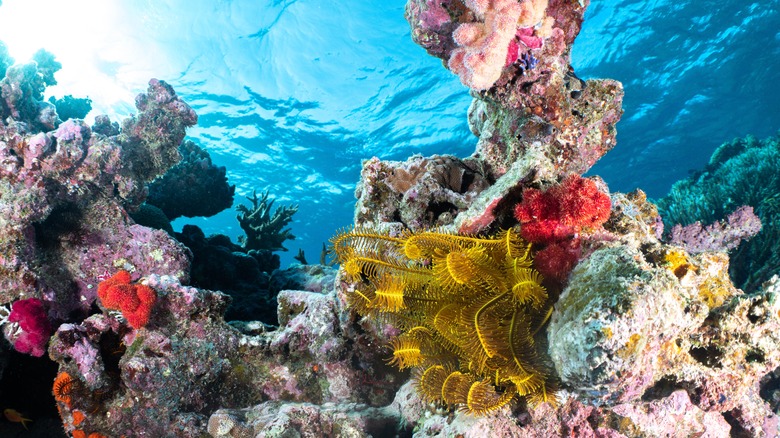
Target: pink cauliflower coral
x: 485, y: 46
x: 34, y: 327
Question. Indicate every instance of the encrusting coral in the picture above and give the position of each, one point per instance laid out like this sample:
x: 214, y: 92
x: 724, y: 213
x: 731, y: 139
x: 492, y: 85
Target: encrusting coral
x: 468, y: 309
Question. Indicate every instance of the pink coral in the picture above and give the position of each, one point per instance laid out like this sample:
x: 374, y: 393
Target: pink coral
x: 483, y: 45
x: 557, y: 259
x: 34, y: 324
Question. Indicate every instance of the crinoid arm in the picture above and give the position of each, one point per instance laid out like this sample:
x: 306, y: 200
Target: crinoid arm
x: 468, y: 308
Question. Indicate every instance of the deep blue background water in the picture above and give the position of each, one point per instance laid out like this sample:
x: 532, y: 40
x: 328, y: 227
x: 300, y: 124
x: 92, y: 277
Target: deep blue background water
x: 293, y: 94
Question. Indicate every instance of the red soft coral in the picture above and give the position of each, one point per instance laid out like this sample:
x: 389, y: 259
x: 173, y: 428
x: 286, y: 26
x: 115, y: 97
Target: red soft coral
x: 135, y: 301
x: 557, y: 259
x: 556, y: 217
x: 562, y: 211
x: 34, y: 324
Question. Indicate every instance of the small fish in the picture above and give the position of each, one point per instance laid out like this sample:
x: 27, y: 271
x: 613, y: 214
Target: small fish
x: 14, y: 416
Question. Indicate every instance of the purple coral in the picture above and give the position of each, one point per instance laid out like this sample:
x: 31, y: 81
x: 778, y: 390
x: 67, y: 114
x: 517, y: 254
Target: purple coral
x: 723, y: 235
x: 34, y: 328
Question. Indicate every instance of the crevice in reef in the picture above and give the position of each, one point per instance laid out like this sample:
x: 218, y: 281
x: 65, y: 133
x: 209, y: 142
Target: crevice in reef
x: 737, y: 430
x: 709, y: 356
x: 663, y: 388
x: 769, y: 389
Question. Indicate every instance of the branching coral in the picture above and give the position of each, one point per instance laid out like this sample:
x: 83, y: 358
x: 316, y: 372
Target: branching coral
x: 468, y: 309
x: 263, y: 231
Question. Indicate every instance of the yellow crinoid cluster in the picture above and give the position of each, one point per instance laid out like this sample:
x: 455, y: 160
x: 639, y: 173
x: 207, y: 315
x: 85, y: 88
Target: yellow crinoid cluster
x: 468, y: 309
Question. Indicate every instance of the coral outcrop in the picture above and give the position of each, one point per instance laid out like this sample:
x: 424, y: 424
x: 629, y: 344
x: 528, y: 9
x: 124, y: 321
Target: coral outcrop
x: 741, y: 172
x: 639, y: 334
x: 648, y: 335
x: 64, y: 199
x: 193, y: 187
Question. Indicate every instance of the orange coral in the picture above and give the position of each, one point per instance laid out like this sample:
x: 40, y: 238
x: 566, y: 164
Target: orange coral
x: 78, y: 417
x: 63, y: 384
x: 135, y: 301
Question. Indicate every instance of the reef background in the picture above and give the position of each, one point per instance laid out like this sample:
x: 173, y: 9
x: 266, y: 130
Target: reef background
x: 276, y: 83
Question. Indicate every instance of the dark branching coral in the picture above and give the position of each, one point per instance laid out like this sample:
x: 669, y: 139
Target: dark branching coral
x: 193, y: 187
x: 263, y: 231
x: 740, y: 172
x: 69, y: 107
x: 469, y: 309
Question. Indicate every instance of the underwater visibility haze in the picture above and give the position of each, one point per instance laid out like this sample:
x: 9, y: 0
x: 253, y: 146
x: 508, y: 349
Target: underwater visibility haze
x: 544, y: 218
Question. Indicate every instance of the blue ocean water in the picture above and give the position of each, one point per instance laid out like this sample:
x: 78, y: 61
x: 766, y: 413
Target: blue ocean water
x: 293, y: 94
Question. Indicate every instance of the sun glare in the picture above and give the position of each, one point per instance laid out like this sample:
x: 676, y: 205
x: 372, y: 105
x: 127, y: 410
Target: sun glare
x: 101, y: 53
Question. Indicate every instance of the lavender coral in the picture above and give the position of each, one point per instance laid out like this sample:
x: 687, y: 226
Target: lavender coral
x: 723, y: 235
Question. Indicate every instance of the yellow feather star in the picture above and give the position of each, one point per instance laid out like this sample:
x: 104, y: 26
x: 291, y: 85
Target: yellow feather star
x: 466, y: 306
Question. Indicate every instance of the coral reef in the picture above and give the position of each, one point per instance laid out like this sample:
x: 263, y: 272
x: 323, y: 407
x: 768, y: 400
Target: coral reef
x: 64, y: 199
x: 626, y: 333
x: 263, y: 232
x: 648, y: 335
x: 740, y: 172
x: 251, y: 278
x: 193, y: 187
x: 186, y: 362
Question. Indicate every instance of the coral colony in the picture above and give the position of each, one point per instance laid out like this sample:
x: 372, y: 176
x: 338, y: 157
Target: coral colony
x: 501, y: 294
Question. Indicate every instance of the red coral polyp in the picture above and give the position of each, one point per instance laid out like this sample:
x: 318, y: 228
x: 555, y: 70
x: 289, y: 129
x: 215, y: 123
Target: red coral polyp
x: 556, y: 260
x: 135, y: 301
